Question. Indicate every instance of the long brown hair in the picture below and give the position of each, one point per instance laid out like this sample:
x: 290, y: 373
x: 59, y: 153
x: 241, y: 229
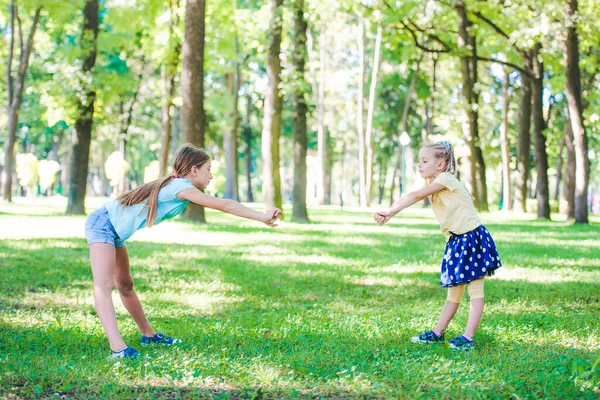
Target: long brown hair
x: 186, y: 158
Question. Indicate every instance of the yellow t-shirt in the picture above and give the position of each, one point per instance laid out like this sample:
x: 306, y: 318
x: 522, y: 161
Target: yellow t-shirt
x: 453, y: 207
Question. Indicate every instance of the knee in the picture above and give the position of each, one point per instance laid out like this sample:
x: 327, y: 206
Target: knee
x: 455, y: 294
x: 125, y: 286
x: 476, y: 289
x: 103, y: 287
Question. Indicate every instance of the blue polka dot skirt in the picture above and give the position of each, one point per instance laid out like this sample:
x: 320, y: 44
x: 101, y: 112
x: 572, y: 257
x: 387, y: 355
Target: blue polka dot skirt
x: 468, y: 257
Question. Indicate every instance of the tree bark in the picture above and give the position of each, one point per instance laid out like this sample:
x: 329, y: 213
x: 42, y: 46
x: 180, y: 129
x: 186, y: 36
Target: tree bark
x: 322, y: 153
x: 272, y: 111
x: 168, y: 72
x: 574, y: 101
x: 248, y: 150
x: 505, y: 147
x: 523, y: 141
x: 230, y: 138
x: 370, y: 147
x: 359, y: 115
x: 300, y: 109
x: 539, y: 125
x: 15, y: 94
x: 192, y: 86
x: 82, y: 136
x: 568, y: 192
x: 471, y: 99
x: 559, y: 167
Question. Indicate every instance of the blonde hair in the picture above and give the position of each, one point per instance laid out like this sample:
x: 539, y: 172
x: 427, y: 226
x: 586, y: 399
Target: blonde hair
x: 186, y: 158
x: 443, y: 150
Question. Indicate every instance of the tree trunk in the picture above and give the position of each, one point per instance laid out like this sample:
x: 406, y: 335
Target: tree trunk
x: 192, y: 85
x: 15, y: 93
x: 568, y: 192
x: 430, y: 106
x: 574, y: 101
x: 272, y: 111
x: 300, y: 109
x: 505, y: 147
x: 166, y: 120
x: 248, y: 150
x: 559, y: 166
x: 539, y: 125
x: 169, y: 71
x: 322, y: 154
x: 82, y: 136
x: 471, y: 104
x: 370, y: 146
x: 230, y: 140
x: 359, y: 115
x: 523, y: 141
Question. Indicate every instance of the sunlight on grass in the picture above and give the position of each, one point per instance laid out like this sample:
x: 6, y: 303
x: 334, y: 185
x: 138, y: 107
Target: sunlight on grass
x: 324, y: 309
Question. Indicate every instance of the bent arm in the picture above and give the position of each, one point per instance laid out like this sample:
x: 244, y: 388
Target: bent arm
x: 413, y: 197
x: 227, y: 206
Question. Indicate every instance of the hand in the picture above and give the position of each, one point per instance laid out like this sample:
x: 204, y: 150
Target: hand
x: 382, y: 217
x: 271, y: 215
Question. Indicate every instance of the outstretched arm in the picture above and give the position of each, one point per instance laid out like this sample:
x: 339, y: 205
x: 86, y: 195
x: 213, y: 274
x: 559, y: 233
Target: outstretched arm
x: 194, y: 195
x: 381, y: 217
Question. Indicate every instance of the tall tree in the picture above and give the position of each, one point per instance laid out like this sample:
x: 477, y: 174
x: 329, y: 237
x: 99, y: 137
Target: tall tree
x: 370, y: 110
x: 14, y: 87
x: 192, y: 85
x: 272, y: 111
x: 248, y: 150
x: 567, y: 205
x: 575, y: 104
x: 319, y: 84
x: 467, y: 41
x: 523, y: 141
x: 300, y: 109
x: 230, y: 137
x: 168, y: 75
x: 362, y: 184
x: 539, y: 125
x: 505, y: 146
x: 82, y: 136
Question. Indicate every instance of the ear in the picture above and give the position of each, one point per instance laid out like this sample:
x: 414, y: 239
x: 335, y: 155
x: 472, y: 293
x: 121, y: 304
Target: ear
x: 442, y: 165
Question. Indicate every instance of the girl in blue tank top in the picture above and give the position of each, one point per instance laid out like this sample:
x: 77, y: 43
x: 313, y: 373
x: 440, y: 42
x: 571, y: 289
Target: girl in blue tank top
x: 110, y: 226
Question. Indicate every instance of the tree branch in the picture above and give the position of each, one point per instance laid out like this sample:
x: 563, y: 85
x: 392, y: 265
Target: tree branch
x: 520, y: 69
x: 499, y: 30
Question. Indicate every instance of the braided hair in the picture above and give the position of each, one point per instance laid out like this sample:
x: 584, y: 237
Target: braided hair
x: 443, y: 150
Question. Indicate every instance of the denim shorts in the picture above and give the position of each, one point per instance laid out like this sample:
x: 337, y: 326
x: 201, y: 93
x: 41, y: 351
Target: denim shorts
x: 99, y: 229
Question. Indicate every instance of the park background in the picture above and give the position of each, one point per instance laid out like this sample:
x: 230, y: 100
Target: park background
x: 317, y: 107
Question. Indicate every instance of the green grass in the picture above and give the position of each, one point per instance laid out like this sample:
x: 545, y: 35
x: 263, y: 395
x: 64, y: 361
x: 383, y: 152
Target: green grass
x: 315, y: 310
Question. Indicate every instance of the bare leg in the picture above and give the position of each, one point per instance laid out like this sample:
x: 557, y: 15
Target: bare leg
x: 446, y: 316
x: 474, y: 317
x: 102, y: 258
x: 124, y: 283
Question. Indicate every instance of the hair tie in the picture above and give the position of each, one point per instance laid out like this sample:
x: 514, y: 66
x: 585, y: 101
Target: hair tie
x: 175, y: 175
x: 446, y: 143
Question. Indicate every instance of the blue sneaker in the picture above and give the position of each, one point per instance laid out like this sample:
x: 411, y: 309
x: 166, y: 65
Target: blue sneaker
x: 159, y: 338
x: 428, y: 337
x: 129, y: 352
x: 462, y: 343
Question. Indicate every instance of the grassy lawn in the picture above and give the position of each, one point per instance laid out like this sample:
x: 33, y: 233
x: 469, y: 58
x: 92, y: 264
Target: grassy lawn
x: 315, y: 310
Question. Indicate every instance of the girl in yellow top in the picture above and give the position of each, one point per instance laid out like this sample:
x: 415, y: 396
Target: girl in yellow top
x: 470, y: 251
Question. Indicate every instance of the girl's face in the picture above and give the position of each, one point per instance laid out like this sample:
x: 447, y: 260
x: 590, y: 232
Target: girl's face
x: 201, y: 177
x: 429, y: 165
